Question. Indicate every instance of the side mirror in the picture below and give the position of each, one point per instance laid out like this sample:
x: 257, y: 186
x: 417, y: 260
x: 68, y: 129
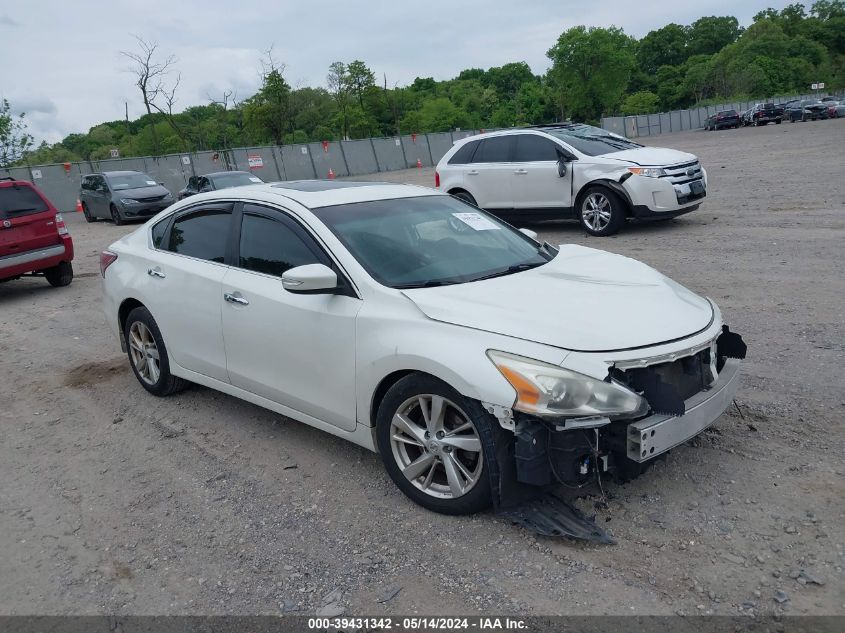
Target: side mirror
x: 530, y: 233
x: 310, y: 279
x: 562, y: 168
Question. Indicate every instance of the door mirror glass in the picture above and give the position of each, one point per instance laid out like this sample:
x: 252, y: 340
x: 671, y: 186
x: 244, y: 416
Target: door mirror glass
x: 529, y: 233
x: 310, y: 279
x: 562, y: 167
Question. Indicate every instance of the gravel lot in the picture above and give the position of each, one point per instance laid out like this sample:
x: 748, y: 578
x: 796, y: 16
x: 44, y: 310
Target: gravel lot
x: 114, y: 501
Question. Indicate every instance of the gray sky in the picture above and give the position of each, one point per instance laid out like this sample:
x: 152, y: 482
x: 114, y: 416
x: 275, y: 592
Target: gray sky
x: 62, y: 63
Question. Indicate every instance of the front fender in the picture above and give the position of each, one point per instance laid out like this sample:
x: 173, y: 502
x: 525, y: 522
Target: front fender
x: 406, y: 340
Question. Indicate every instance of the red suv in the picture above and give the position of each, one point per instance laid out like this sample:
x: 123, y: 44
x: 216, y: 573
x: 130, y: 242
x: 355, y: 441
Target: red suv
x: 33, y: 236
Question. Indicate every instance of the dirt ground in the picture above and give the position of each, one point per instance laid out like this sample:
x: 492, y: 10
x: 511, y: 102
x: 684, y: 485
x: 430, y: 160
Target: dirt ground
x: 113, y: 501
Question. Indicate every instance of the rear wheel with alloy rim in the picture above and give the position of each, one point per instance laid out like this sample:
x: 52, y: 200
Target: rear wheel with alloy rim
x: 601, y: 211
x: 466, y: 196
x: 435, y: 445
x: 148, y: 355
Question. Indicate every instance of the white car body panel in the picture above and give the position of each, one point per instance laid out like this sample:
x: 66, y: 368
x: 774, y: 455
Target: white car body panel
x: 324, y: 367
x: 260, y: 343
x: 593, y: 289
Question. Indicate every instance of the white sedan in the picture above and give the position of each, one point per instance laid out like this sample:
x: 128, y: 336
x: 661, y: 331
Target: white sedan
x: 480, y: 364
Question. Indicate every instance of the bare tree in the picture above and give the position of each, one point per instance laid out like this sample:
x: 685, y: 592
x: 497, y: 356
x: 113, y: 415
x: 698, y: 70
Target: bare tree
x: 229, y: 97
x: 150, y: 71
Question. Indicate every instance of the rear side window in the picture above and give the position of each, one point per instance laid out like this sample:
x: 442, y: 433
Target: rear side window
x: 464, y: 154
x: 19, y: 200
x: 159, y: 231
x: 202, y: 235
x: 272, y: 247
x: 532, y: 148
x: 496, y: 149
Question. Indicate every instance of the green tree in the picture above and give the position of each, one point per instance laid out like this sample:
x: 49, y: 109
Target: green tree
x: 591, y: 69
x: 709, y: 35
x: 643, y: 102
x: 15, y: 141
x: 666, y: 46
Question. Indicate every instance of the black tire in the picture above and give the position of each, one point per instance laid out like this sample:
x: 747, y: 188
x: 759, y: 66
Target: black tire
x: 466, y: 196
x: 60, y: 275
x: 88, y: 217
x: 618, y: 211
x: 115, y: 216
x: 479, y: 496
x: 778, y: 122
x: 166, y: 382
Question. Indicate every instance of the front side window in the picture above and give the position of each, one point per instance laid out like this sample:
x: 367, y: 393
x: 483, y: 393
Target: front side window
x: 531, y: 148
x: 202, y: 234
x: 271, y: 247
x: 430, y: 241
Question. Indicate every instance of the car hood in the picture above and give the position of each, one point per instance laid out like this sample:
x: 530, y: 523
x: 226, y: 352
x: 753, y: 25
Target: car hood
x: 141, y: 193
x: 652, y: 156
x: 583, y: 300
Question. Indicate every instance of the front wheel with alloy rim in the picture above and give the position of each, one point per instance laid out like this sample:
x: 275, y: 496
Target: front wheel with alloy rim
x: 436, y: 445
x: 115, y: 216
x: 601, y: 211
x: 148, y: 355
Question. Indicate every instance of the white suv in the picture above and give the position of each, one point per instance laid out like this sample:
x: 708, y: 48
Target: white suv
x: 572, y: 170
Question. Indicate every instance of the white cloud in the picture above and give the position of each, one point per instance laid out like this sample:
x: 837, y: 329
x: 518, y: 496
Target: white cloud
x: 76, y: 64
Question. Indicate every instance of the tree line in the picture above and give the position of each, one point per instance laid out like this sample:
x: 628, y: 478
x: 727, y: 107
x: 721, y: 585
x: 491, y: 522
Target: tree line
x: 595, y: 71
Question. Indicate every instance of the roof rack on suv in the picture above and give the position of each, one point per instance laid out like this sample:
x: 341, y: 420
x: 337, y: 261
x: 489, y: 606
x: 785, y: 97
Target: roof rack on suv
x: 9, y: 178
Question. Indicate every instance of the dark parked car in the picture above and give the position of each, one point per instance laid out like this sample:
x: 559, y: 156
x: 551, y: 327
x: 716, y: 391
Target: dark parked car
x: 722, y: 119
x: 122, y: 196
x: 218, y: 180
x: 764, y: 113
x: 806, y: 110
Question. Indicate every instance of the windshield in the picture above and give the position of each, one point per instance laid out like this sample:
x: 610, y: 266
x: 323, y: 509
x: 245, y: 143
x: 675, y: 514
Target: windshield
x: 130, y: 181
x: 19, y: 200
x: 430, y: 241
x: 589, y: 140
x: 235, y: 179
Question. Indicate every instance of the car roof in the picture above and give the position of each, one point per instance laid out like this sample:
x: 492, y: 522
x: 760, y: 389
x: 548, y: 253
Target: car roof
x: 117, y: 173
x: 223, y: 173
x: 313, y: 194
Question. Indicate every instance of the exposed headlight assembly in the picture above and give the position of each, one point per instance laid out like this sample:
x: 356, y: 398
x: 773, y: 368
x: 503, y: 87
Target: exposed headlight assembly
x: 650, y: 172
x: 128, y: 201
x: 544, y: 389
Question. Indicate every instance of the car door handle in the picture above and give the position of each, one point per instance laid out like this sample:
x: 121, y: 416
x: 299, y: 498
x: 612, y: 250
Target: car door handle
x: 520, y: 171
x: 235, y: 298
x: 474, y: 172
x: 156, y: 272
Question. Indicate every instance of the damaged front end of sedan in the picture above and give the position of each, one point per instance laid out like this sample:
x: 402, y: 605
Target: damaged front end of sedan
x: 570, y: 430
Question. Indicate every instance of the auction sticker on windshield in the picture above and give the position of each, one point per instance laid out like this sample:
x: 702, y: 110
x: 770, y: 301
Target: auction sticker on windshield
x: 476, y: 221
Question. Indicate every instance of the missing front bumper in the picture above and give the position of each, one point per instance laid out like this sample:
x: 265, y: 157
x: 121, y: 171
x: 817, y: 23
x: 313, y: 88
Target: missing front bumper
x: 657, y: 434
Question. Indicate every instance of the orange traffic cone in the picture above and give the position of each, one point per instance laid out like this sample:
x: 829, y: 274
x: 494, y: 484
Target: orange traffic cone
x: 419, y: 164
x: 331, y: 174
x: 79, y: 206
